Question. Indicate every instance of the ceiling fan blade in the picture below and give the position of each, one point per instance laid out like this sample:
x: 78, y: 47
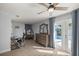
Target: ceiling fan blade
x: 43, y: 4
x: 54, y: 4
x: 41, y: 12
x: 61, y: 8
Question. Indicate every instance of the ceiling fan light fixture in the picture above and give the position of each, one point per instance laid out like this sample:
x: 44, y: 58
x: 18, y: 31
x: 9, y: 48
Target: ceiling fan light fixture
x: 51, y: 9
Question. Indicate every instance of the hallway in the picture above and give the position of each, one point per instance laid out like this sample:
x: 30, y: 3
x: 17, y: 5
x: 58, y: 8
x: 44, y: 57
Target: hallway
x: 31, y: 48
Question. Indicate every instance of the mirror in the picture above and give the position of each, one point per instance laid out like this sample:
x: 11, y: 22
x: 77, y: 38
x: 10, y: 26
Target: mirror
x: 43, y: 28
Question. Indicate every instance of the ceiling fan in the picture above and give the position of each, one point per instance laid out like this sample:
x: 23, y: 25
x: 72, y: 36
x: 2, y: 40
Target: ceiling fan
x: 52, y: 7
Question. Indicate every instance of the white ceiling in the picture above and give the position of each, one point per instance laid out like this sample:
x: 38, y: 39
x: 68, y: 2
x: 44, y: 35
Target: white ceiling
x: 28, y: 11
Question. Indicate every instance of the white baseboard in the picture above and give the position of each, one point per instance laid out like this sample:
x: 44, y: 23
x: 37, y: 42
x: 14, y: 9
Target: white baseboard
x: 5, y: 51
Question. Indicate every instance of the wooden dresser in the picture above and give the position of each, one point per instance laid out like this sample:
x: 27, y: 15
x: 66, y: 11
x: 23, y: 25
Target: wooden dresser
x: 42, y: 38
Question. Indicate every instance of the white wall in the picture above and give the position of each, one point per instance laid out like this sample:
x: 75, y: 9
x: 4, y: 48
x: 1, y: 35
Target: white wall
x: 5, y: 32
x: 6, y: 29
x: 18, y: 32
x: 63, y: 17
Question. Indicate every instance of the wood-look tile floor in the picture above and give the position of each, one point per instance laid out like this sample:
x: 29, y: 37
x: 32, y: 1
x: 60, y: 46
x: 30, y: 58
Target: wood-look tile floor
x: 31, y: 48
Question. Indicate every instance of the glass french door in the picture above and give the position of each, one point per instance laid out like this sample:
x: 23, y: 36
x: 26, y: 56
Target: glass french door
x: 63, y: 35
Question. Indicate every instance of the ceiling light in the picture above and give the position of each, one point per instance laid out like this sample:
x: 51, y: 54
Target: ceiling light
x: 51, y: 9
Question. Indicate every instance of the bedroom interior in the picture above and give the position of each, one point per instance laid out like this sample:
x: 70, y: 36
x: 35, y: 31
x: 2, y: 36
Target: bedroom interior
x: 39, y: 29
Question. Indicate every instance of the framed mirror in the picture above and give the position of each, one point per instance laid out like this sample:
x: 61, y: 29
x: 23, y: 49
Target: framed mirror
x: 43, y: 28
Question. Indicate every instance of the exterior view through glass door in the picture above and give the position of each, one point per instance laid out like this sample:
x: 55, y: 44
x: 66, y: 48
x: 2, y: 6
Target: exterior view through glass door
x: 63, y: 35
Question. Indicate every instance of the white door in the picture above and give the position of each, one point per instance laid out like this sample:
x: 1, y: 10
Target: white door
x: 63, y: 40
